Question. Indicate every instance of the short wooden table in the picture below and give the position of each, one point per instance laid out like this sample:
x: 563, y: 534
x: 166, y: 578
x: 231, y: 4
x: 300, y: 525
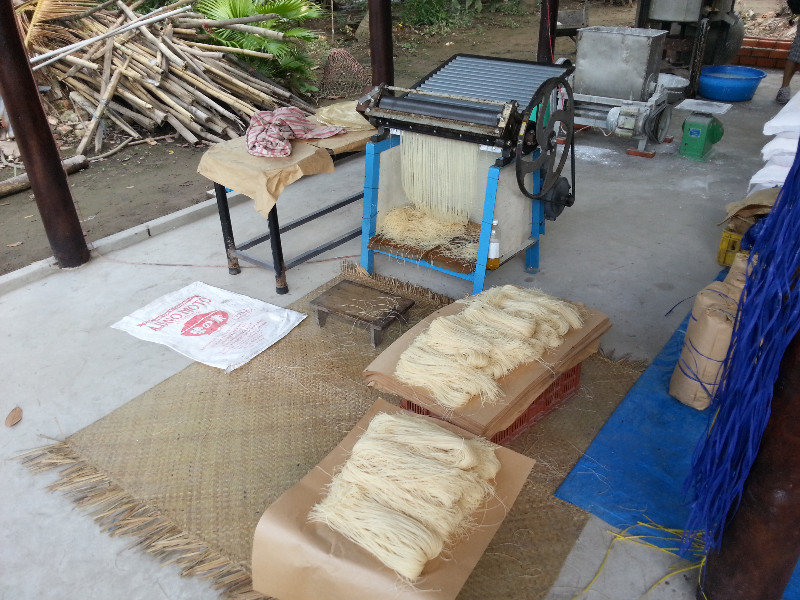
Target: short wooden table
x: 229, y: 165
x: 363, y: 306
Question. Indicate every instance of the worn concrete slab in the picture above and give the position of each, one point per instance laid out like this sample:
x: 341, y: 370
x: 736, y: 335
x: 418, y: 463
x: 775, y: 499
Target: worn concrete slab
x: 641, y: 237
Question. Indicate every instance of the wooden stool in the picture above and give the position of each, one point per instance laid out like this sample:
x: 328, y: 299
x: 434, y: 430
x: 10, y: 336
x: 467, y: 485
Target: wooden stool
x: 363, y: 306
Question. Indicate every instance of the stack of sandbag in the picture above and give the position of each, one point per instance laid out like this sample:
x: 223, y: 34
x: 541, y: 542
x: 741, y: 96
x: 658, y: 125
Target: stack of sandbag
x: 708, y: 336
x: 778, y: 154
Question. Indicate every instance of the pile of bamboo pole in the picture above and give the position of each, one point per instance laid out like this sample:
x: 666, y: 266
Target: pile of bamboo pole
x: 144, y: 71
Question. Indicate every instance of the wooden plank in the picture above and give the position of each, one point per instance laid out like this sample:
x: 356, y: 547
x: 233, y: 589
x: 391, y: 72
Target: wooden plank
x: 363, y: 306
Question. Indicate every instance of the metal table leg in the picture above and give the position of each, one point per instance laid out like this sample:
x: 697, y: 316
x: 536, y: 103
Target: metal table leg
x: 227, y: 229
x: 277, y: 251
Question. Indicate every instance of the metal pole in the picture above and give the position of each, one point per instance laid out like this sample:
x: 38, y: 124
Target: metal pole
x: 380, y: 41
x: 547, y: 31
x: 37, y: 146
x: 761, y: 545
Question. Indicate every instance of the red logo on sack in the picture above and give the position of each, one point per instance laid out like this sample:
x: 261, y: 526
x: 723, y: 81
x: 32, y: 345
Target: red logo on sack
x: 205, y: 323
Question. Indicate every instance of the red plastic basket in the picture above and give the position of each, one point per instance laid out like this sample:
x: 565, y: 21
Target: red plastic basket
x: 561, y: 390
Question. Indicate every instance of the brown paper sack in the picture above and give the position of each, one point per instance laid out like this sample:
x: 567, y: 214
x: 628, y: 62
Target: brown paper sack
x: 718, y: 292
x: 697, y: 374
x: 297, y: 560
x: 737, y: 276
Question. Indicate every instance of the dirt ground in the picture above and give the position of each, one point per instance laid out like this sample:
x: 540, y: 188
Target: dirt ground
x: 142, y: 183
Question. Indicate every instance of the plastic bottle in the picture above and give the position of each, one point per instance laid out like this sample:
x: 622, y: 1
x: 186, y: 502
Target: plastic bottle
x: 494, y: 249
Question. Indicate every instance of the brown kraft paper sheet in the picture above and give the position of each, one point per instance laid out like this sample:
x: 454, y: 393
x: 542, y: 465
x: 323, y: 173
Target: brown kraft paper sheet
x: 578, y: 345
x: 297, y: 560
x: 260, y: 178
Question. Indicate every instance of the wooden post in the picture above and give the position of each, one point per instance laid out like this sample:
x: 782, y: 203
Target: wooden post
x: 380, y: 41
x: 37, y: 146
x: 642, y: 13
x: 761, y: 545
x: 547, y: 31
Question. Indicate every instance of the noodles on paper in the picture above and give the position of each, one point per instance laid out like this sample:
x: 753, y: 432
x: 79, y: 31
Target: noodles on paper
x: 460, y: 357
x: 408, y: 489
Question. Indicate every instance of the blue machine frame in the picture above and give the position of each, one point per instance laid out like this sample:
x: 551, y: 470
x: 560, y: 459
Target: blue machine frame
x: 478, y: 276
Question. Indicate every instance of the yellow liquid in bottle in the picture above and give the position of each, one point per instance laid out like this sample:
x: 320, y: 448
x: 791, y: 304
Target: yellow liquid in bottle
x: 492, y: 263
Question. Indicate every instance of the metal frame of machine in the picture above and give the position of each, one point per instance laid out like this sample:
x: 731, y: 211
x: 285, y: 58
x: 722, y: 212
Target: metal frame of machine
x: 478, y: 276
x: 431, y: 107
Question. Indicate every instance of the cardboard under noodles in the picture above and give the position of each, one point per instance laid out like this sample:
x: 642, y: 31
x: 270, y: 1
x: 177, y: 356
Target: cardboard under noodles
x: 297, y: 560
x: 520, y: 387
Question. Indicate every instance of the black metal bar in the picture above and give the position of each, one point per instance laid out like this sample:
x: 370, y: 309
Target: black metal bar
x: 227, y: 228
x: 37, y: 146
x: 302, y: 220
x: 277, y: 251
x: 547, y: 31
x: 323, y: 248
x: 380, y: 41
x: 252, y: 259
x: 642, y: 13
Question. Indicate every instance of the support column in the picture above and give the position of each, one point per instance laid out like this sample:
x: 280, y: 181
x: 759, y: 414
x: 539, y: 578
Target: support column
x: 37, y: 146
x: 761, y: 545
x: 642, y: 12
x: 547, y: 31
x: 380, y: 41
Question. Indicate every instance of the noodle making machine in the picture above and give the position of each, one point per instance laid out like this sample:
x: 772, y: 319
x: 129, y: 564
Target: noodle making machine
x: 514, y: 111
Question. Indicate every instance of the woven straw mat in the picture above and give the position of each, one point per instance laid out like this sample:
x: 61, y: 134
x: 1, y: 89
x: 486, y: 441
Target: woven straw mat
x: 188, y: 467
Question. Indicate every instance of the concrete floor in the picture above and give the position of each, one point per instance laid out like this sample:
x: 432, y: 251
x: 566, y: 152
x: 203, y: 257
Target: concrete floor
x: 641, y: 237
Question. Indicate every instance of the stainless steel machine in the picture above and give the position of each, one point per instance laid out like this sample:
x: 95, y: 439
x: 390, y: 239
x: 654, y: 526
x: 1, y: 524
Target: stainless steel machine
x: 617, y: 86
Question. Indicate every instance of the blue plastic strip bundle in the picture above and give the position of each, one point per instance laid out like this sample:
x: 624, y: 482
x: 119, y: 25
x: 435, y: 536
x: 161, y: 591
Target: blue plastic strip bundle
x: 768, y: 319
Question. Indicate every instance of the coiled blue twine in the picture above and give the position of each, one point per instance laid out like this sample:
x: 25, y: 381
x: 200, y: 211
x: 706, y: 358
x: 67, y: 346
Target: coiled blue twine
x: 767, y: 320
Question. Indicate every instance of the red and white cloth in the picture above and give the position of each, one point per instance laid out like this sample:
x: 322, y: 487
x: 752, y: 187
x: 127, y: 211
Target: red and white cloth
x: 270, y: 131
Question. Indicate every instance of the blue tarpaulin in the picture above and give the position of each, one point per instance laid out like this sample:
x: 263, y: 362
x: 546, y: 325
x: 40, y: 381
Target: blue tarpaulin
x: 635, y: 468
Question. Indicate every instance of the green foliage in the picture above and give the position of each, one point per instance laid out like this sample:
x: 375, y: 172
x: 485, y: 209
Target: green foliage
x: 291, y: 64
x: 427, y: 13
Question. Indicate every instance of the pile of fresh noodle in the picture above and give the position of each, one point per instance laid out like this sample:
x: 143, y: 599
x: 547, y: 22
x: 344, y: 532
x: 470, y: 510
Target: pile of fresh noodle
x: 461, y: 356
x: 408, y: 489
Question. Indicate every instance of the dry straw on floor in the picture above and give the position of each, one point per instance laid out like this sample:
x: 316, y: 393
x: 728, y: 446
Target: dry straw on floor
x: 186, y: 469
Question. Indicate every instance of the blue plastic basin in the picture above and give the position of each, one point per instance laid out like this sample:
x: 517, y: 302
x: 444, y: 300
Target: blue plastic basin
x: 729, y: 83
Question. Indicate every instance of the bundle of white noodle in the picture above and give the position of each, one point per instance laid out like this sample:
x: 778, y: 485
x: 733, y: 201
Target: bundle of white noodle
x: 408, y: 489
x: 461, y: 356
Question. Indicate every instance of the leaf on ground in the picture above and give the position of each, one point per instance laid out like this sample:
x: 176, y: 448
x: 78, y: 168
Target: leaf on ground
x: 14, y: 245
x: 14, y: 417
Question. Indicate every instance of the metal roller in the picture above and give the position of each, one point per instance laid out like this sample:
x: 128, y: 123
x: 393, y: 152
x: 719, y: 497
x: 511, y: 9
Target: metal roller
x: 476, y: 114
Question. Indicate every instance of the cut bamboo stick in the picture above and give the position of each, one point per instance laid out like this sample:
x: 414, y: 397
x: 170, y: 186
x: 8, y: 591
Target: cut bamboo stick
x: 184, y: 133
x: 101, y: 107
x: 253, y: 30
x: 80, y: 63
x: 12, y: 185
x: 86, y: 104
x: 229, y: 50
x: 206, y: 23
x: 174, y: 58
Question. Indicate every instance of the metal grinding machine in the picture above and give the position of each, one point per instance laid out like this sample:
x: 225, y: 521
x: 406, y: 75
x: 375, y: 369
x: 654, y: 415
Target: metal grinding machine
x: 438, y: 191
x: 617, y: 84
